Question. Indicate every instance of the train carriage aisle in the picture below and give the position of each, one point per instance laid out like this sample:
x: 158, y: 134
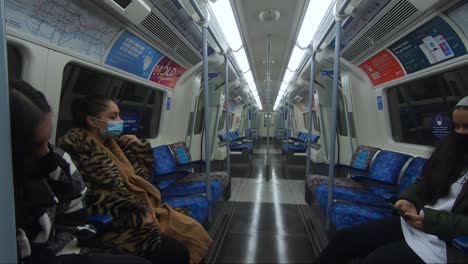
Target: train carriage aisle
x: 267, y: 221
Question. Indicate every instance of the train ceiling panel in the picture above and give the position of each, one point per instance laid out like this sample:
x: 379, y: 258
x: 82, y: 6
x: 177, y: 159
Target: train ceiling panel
x: 254, y: 33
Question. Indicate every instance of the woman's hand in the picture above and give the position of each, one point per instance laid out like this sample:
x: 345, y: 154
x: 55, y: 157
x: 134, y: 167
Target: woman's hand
x: 415, y: 220
x: 411, y: 215
x: 127, y: 140
x: 406, y: 206
x: 148, y: 219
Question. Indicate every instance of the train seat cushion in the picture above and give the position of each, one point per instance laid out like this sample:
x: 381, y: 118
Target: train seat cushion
x: 196, y: 205
x: 364, y: 197
x: 193, y: 189
x: 313, y: 180
x: 387, y: 166
x: 221, y: 176
x: 164, y: 161
x: 411, y: 173
x: 362, y: 157
x: 242, y: 146
x: 345, y: 215
x: 181, y: 153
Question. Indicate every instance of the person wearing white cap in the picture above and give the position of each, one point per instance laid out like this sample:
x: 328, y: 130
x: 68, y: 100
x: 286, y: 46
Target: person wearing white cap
x: 434, y: 211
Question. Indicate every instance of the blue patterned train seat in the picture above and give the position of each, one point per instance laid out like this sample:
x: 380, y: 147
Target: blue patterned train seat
x: 301, y: 145
x: 169, y: 179
x: 352, y: 207
x: 193, y: 189
x: 387, y: 166
x: 237, y: 143
x: 197, y: 206
x: 376, y: 195
x: 344, y: 215
x: 360, y: 163
x: 182, y: 157
x: 365, y: 197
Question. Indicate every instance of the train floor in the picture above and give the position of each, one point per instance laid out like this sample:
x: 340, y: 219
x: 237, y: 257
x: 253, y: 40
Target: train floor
x: 266, y: 221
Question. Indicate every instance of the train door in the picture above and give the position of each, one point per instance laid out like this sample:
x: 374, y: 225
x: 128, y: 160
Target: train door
x: 195, y: 127
x: 345, y: 140
x: 197, y: 137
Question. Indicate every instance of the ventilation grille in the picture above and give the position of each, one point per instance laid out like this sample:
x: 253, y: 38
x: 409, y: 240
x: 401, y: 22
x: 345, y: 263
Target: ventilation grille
x: 396, y: 16
x: 163, y: 33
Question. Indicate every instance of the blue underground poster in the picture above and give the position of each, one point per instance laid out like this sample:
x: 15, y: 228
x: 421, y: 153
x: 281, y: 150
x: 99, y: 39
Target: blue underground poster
x: 133, y: 55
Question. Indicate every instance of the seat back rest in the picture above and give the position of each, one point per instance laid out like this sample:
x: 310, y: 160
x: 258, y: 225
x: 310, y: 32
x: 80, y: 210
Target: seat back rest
x: 363, y: 157
x: 222, y: 137
x: 181, y: 153
x: 164, y: 162
x: 314, y: 138
x: 386, y: 166
x: 412, y: 171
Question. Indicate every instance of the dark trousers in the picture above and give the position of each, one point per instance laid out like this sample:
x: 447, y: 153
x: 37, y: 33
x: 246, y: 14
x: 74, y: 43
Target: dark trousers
x: 101, y: 259
x: 381, y: 241
x: 171, y: 251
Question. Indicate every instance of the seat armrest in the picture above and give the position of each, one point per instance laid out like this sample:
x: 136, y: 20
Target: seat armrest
x: 461, y: 243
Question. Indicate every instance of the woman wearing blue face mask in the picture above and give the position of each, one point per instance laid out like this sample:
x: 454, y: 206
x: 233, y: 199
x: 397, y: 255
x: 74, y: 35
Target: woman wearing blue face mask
x: 49, y: 191
x: 434, y: 211
x: 117, y: 170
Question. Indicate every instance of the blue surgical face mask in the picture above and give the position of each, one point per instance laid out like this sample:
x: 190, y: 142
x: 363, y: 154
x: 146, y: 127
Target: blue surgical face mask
x: 113, y: 130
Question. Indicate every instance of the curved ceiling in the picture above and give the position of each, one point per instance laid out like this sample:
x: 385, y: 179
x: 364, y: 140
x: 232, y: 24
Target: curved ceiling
x: 254, y: 32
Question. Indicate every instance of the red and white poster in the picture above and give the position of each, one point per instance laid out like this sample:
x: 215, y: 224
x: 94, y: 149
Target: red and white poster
x: 382, y: 68
x: 167, y: 73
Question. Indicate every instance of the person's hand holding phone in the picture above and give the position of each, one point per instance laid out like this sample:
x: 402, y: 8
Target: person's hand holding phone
x: 410, y: 215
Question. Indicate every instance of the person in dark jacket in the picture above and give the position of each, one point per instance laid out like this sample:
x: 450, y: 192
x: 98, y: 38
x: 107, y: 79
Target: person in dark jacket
x: 435, y: 211
x: 49, y: 191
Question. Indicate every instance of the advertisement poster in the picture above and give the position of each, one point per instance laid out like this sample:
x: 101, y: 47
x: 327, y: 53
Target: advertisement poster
x: 382, y: 68
x: 131, y: 54
x: 430, y: 44
x: 167, y: 73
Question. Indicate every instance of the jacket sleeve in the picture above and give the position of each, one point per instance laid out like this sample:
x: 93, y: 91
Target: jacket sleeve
x: 415, y: 194
x: 445, y: 225
x: 104, y: 197
x: 141, y: 158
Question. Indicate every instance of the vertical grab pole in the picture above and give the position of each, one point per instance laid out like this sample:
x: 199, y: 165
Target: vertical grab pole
x: 311, y: 100
x: 336, y: 76
x: 206, y: 97
x: 286, y: 108
x: 267, y: 174
x: 226, y: 100
x: 7, y: 199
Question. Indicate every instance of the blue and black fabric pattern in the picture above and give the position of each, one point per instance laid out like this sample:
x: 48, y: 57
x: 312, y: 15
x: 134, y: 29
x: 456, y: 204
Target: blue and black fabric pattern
x: 411, y: 173
x: 364, y: 197
x: 196, y: 205
x: 193, y: 189
x: 362, y: 157
x: 344, y: 215
x: 181, y: 153
x: 387, y: 166
x: 164, y: 162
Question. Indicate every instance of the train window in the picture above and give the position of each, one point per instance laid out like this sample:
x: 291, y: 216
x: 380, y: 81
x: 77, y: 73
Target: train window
x: 140, y: 106
x: 415, y: 107
x: 200, y: 115
x: 15, y: 63
x: 221, y: 121
x: 342, y: 127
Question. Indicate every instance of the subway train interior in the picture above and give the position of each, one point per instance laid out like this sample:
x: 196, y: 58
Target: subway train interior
x: 286, y: 105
